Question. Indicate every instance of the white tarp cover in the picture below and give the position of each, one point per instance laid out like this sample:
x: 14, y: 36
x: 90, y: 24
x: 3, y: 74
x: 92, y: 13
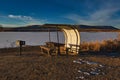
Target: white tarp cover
x: 71, y: 33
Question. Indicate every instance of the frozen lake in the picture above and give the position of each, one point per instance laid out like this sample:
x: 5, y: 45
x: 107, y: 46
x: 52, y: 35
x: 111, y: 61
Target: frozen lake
x: 7, y: 39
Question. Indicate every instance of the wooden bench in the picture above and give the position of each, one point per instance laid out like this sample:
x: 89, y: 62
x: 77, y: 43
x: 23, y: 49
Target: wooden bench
x: 52, y: 48
x: 73, y: 48
x: 45, y: 48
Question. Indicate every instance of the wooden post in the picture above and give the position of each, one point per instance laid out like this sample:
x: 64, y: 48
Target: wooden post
x: 20, y: 43
x: 20, y: 50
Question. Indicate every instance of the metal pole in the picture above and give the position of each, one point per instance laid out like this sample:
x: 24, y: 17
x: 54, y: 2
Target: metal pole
x: 119, y: 36
x: 49, y: 35
x: 58, y: 40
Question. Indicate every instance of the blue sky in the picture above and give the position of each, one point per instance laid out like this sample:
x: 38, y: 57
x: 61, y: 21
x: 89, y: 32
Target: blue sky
x: 15, y: 13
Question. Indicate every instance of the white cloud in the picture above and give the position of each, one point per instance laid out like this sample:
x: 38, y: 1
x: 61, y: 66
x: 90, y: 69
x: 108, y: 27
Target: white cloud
x: 19, y: 20
x: 20, y: 17
x: 103, y: 14
x: 27, y: 20
x: 99, y: 17
x: 11, y: 25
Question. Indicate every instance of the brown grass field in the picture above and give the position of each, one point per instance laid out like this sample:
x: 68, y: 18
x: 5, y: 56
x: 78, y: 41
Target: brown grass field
x: 36, y: 66
x: 95, y: 62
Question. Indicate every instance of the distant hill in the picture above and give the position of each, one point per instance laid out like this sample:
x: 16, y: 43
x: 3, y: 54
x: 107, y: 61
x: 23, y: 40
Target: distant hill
x: 45, y: 28
x: 96, y: 27
x: 30, y: 27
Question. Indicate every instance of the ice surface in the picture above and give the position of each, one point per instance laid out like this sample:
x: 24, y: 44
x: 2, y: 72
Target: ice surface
x: 39, y: 38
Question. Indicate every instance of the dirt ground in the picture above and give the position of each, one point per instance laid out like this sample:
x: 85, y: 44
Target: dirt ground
x: 42, y: 67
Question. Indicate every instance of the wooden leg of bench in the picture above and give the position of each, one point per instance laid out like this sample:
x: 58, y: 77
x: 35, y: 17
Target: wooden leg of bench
x: 41, y: 50
x: 48, y: 53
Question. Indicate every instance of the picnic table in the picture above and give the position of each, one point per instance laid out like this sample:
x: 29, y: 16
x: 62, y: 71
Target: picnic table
x: 52, y: 47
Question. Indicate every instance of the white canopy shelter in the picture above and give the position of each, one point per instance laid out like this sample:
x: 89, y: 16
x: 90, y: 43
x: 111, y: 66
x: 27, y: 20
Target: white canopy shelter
x: 72, y: 36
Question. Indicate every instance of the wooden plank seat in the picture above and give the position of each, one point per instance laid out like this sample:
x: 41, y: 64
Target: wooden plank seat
x: 46, y: 49
x: 51, y: 48
x: 54, y: 44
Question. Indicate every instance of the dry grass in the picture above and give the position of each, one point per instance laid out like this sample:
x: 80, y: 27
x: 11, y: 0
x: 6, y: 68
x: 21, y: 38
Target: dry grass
x: 38, y: 67
x: 103, y: 46
x: 33, y: 65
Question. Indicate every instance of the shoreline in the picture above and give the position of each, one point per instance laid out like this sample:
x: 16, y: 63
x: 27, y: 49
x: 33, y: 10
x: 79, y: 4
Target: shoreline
x: 35, y: 50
